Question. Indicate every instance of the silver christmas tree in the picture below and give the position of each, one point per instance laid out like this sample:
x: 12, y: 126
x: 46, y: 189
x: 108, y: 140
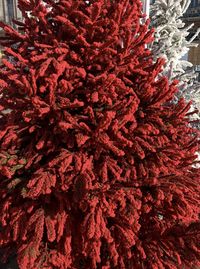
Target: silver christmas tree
x: 172, y: 43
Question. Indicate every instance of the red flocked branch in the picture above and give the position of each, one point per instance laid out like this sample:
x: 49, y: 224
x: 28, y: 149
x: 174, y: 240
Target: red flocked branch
x: 97, y: 162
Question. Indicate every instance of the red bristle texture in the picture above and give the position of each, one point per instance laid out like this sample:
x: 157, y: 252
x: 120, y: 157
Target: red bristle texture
x: 97, y: 162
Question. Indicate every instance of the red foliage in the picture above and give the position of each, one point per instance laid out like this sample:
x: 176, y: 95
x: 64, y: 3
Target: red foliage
x: 96, y: 160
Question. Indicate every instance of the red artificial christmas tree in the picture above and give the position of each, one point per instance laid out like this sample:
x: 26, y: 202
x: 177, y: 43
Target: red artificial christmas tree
x: 97, y: 162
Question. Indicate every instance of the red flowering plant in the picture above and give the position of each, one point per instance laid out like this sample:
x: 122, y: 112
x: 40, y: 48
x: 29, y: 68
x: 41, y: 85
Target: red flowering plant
x: 97, y: 162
